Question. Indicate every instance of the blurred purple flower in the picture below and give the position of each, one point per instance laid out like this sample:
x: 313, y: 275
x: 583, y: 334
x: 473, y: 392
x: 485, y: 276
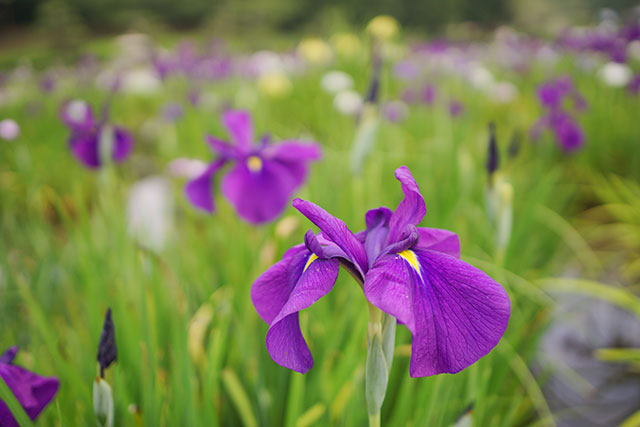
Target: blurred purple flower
x: 32, y: 391
x: 395, y: 111
x: 172, y: 112
x: 263, y: 177
x: 87, y: 135
x: 455, y: 312
x: 455, y: 108
x: 47, y: 83
x: 428, y: 95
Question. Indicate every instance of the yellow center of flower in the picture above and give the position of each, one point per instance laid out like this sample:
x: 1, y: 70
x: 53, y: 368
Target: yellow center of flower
x: 254, y: 163
x: 411, y: 258
x: 312, y: 258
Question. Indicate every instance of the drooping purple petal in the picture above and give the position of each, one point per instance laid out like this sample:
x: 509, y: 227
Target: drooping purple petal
x: 259, y: 191
x: 336, y: 230
x: 199, y: 191
x: 439, y: 240
x: 271, y: 290
x: 122, y: 144
x: 285, y: 342
x: 455, y: 312
x: 32, y: 391
x: 411, y: 209
x: 85, y: 147
x: 240, y: 127
x: 567, y: 131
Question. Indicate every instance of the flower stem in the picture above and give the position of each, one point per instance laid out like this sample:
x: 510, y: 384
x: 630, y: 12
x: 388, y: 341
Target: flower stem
x: 374, y: 420
x: 381, y: 338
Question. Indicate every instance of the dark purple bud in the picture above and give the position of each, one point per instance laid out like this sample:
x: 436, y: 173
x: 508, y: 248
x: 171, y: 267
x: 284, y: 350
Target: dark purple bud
x: 374, y: 86
x: 107, y: 350
x: 493, y: 156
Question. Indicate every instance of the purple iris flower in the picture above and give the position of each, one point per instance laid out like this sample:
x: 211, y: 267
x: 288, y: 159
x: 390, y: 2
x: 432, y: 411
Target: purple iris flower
x: 455, y: 312
x: 634, y: 85
x: 263, y: 177
x: 455, y: 108
x: 32, y: 391
x: 565, y: 128
x: 87, y: 135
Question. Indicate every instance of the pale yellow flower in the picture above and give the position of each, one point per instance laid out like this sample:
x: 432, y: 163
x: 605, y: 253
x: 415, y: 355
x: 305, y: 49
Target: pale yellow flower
x: 276, y: 85
x: 383, y: 27
x: 315, y: 50
x: 346, y: 44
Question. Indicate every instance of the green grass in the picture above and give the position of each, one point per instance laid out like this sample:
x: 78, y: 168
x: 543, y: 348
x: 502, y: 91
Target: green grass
x: 65, y: 256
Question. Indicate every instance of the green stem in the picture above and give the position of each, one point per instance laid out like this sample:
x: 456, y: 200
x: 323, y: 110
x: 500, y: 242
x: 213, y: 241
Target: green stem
x: 374, y: 420
x: 381, y: 338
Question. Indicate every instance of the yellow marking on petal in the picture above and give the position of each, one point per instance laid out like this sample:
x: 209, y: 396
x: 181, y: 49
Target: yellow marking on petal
x: 312, y: 258
x: 411, y: 258
x: 254, y: 163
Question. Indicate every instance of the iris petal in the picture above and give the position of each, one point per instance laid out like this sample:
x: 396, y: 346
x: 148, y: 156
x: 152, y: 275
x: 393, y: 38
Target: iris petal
x: 455, y: 312
x: 439, y: 240
x: 199, y: 191
x: 240, y: 127
x: 31, y: 390
x: 291, y: 285
x: 411, y: 209
x: 337, y: 231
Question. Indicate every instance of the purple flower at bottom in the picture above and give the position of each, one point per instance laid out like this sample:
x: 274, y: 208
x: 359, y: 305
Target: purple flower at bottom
x: 87, y: 135
x: 32, y: 391
x: 263, y: 177
x: 455, y: 312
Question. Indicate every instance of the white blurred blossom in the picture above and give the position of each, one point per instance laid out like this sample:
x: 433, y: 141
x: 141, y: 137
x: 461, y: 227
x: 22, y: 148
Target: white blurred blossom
x: 348, y: 102
x: 150, y: 212
x: 9, y: 129
x: 186, y: 168
x: 336, y: 81
x: 141, y: 81
x: 615, y: 74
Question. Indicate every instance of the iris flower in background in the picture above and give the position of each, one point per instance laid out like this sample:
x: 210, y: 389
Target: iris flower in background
x: 557, y: 119
x: 32, y: 391
x: 263, y: 176
x: 90, y: 140
x: 455, y: 312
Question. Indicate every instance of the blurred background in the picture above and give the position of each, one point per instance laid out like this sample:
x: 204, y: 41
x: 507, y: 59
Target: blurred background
x: 518, y: 119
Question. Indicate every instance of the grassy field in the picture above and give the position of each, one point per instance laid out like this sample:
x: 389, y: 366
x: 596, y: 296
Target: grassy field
x: 190, y: 345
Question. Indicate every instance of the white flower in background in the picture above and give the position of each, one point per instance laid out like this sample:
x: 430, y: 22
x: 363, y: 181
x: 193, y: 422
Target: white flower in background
x: 9, y: 129
x: 140, y: 81
x: 336, y: 81
x: 103, y: 402
x: 504, y: 92
x: 186, y: 168
x: 479, y: 77
x: 107, y: 80
x: 348, y: 102
x: 150, y: 212
x: 615, y: 74
x: 266, y: 61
